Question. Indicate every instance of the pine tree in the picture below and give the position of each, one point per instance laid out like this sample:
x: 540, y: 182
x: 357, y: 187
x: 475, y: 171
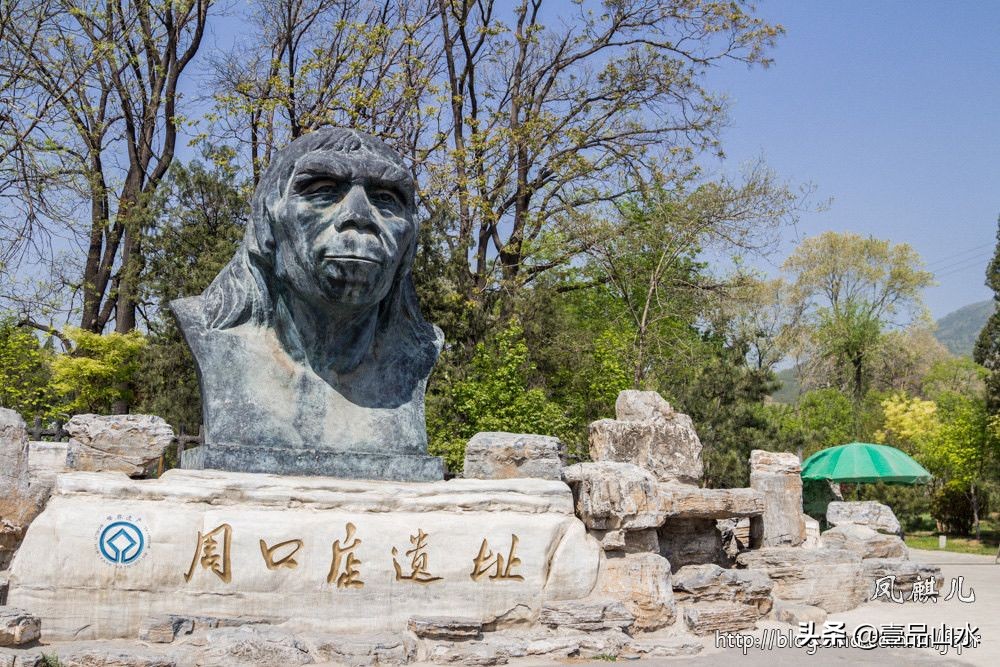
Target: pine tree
x: 987, y: 351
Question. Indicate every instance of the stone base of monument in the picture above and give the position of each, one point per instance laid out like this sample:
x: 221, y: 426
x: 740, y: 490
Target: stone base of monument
x: 335, y: 555
x: 344, y: 465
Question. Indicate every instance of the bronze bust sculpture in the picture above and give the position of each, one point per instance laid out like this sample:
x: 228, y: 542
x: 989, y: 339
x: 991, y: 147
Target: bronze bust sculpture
x: 313, y: 356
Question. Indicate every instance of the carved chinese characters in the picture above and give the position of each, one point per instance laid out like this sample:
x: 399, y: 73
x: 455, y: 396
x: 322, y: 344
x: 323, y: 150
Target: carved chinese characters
x: 314, y: 551
x: 213, y: 553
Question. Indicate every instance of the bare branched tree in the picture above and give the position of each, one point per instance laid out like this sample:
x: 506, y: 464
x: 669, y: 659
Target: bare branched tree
x: 90, y: 133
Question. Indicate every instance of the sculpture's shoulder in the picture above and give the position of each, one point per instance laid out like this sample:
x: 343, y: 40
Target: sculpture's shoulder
x: 190, y: 314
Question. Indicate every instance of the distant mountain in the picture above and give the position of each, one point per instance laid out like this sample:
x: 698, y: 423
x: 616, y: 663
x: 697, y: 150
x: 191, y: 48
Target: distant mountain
x: 958, y: 330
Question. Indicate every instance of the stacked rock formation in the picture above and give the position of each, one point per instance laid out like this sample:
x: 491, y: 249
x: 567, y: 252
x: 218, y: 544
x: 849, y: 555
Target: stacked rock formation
x: 660, y: 533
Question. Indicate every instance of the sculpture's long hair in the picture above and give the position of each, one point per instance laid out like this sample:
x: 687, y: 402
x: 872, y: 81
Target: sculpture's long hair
x: 243, y: 293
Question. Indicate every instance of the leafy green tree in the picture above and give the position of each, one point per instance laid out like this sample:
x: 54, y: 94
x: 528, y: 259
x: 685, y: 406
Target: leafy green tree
x: 97, y: 372
x: 987, y: 350
x: 952, y: 436
x: 25, y: 372
x: 851, y: 289
x: 495, y: 393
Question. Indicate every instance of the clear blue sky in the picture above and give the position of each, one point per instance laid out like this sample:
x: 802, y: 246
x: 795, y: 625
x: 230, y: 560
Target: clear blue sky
x: 893, y: 110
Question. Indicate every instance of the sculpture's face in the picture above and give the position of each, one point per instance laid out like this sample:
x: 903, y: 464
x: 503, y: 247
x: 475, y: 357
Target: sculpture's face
x: 343, y: 228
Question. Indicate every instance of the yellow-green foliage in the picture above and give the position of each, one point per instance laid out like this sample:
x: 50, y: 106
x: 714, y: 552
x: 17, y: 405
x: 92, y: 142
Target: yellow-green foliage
x: 24, y: 372
x: 97, y: 372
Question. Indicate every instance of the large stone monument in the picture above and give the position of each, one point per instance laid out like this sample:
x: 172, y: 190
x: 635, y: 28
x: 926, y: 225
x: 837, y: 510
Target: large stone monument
x: 312, y: 353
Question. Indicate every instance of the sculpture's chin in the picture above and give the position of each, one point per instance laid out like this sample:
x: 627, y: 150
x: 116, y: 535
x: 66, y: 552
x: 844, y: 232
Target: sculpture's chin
x: 354, y: 283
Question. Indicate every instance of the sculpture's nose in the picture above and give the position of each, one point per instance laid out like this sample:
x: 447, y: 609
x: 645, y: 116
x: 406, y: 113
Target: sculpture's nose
x: 355, y: 211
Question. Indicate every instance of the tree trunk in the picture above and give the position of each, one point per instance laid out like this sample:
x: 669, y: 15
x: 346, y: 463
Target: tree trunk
x: 975, y: 509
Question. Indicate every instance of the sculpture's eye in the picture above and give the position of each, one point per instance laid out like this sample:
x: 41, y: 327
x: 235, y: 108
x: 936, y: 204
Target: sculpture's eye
x: 326, y: 188
x: 385, y: 198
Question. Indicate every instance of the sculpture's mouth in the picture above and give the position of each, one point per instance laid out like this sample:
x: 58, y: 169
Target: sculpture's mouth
x: 351, y: 258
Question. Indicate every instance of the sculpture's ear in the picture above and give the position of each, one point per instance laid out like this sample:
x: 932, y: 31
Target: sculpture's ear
x: 260, y: 234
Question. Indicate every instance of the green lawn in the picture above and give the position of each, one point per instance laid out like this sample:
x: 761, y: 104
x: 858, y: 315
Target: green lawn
x: 958, y: 544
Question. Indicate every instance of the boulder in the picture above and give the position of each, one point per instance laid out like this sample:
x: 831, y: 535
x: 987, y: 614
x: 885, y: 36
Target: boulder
x: 696, y: 584
x: 719, y: 617
x: 18, y: 627
x: 507, y: 455
x: 906, y: 572
x: 777, y: 476
x: 612, y: 496
x: 868, y: 513
x: 590, y: 614
x: 117, y: 443
x: 20, y: 501
x: 793, y: 614
x: 165, y: 628
x: 46, y: 460
x: 864, y: 541
x: 445, y: 627
x: 828, y: 578
x: 691, y: 542
x: 812, y: 540
x: 629, y: 542
x: 261, y: 547
x: 641, y: 581
x: 253, y: 646
x: 478, y: 654
x: 664, y: 647
x: 651, y: 434
x: 109, y: 656
x: 691, y: 502
x: 355, y: 651
x: 13, y: 467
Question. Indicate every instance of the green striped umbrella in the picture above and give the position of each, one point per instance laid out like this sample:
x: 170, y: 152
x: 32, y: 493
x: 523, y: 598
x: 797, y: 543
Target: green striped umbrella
x: 864, y: 462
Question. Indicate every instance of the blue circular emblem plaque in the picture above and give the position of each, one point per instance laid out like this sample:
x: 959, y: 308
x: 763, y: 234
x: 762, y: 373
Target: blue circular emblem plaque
x: 122, y: 540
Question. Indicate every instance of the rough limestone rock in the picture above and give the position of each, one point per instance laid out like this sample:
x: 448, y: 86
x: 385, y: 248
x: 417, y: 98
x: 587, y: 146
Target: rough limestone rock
x: 828, y: 578
x: 642, y: 582
x: 812, y: 540
x: 254, y: 646
x: 591, y: 614
x: 355, y: 651
x: 46, y: 460
x: 117, y: 443
x: 13, y: 466
x: 906, y: 572
x: 445, y: 627
x: 165, y: 628
x: 506, y: 455
x: 664, y: 647
x: 719, y: 617
x: 20, y: 501
x: 793, y: 614
x: 611, y: 496
x: 691, y: 502
x: 868, y: 513
x: 203, y: 556
x: 649, y: 433
x: 864, y: 541
x: 478, y: 654
x: 18, y: 627
x: 696, y: 584
x: 691, y: 542
x: 629, y: 542
x: 777, y: 476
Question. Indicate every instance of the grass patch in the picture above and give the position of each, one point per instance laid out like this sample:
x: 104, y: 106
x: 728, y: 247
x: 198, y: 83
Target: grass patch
x: 956, y: 543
